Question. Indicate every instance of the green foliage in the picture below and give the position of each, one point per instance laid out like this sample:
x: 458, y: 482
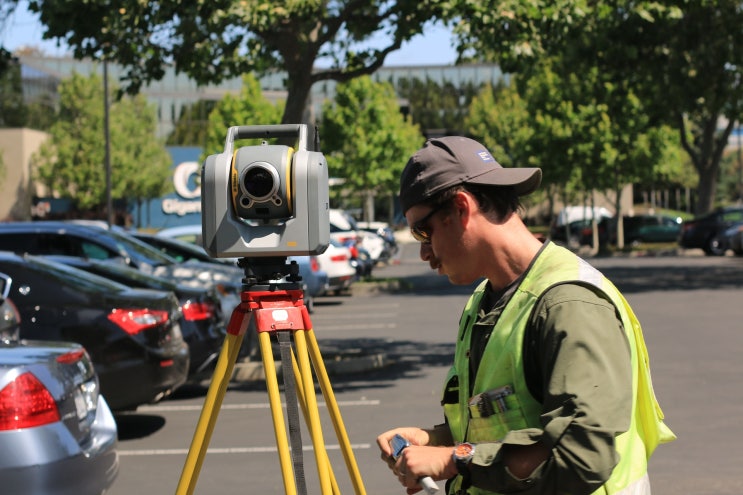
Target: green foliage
x: 681, y: 59
x: 72, y: 162
x: 216, y: 40
x: 250, y: 107
x: 13, y: 112
x: 731, y: 180
x: 498, y: 118
x: 366, y: 139
x: 435, y: 105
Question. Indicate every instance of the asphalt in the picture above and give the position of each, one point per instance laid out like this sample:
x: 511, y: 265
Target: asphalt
x: 341, y: 361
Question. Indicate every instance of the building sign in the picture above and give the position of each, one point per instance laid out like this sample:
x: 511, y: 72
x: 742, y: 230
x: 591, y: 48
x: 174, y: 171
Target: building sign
x: 187, y: 185
x: 183, y: 206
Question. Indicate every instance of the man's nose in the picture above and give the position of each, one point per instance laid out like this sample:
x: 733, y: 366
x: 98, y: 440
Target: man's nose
x: 425, y: 251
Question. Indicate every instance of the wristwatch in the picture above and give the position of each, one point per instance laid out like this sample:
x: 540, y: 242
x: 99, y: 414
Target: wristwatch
x: 462, y: 455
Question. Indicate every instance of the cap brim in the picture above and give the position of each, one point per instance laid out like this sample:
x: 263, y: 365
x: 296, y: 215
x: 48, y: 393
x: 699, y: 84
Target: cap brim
x: 523, y: 180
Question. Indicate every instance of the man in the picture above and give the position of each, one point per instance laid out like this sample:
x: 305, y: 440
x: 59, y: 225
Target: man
x: 550, y: 390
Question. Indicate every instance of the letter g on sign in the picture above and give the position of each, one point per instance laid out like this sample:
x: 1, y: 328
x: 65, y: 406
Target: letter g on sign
x: 181, y: 177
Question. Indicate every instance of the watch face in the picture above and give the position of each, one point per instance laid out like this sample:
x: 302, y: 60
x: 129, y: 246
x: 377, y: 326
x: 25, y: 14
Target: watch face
x: 463, y: 450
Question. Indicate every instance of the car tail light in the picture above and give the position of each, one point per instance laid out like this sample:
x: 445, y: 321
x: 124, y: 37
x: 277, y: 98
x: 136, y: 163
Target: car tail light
x: 314, y: 264
x: 25, y: 403
x: 133, y: 321
x: 193, y: 311
x: 338, y: 257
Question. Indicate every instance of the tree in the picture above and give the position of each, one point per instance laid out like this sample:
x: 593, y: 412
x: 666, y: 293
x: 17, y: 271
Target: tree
x: 71, y: 162
x: 434, y: 105
x: 681, y: 58
x: 6, y: 10
x: 13, y: 111
x: 579, y: 129
x: 250, y: 107
x: 214, y: 40
x: 366, y: 140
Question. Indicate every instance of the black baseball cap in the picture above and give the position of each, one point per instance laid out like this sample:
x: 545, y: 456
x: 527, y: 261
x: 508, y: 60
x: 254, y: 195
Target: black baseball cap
x: 452, y: 160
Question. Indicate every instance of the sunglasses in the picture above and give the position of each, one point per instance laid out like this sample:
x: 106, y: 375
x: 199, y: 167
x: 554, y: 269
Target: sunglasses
x: 421, y: 230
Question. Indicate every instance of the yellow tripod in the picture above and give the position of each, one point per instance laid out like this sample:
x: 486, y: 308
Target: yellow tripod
x: 275, y: 311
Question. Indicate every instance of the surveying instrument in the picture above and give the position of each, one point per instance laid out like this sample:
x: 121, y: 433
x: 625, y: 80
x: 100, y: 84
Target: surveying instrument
x: 262, y: 204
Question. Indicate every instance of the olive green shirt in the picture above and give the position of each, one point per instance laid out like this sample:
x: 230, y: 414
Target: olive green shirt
x: 577, y: 364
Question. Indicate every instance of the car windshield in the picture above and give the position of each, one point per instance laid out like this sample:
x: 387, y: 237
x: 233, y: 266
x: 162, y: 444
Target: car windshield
x: 68, y: 275
x: 142, y: 249
x: 127, y: 273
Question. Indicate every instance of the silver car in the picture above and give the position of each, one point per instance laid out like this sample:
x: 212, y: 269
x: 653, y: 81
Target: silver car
x: 57, y: 433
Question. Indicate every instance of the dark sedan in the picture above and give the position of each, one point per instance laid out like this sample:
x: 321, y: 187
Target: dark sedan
x: 708, y: 231
x: 88, y: 241
x: 202, y: 321
x: 314, y: 280
x: 133, y: 335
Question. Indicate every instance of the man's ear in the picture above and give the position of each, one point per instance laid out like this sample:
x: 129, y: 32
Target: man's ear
x: 464, y: 205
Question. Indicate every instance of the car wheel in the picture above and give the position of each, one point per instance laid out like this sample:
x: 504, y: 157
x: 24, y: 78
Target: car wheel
x: 714, y: 247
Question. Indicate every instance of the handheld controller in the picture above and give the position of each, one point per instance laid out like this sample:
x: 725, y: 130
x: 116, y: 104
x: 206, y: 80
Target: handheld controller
x: 398, y: 444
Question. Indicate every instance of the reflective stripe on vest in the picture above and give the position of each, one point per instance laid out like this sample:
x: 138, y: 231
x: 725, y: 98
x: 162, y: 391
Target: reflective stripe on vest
x: 500, y: 399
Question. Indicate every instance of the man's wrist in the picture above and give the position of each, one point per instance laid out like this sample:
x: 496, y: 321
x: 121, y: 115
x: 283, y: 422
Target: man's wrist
x: 462, y: 455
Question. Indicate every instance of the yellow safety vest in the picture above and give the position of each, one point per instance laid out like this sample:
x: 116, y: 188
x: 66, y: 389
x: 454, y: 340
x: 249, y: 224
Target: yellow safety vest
x: 500, y: 378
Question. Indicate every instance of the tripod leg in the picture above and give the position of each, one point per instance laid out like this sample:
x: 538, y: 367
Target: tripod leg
x: 308, y: 386
x: 305, y: 413
x: 222, y: 374
x: 340, y: 429
x: 279, y: 428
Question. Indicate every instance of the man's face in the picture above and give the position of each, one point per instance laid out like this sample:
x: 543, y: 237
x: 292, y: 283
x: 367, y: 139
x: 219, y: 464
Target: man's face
x: 440, y: 235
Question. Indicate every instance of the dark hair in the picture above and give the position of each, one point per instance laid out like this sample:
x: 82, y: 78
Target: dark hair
x: 502, y: 200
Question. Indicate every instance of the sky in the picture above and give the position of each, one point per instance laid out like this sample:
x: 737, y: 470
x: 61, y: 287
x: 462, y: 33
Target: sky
x: 434, y: 47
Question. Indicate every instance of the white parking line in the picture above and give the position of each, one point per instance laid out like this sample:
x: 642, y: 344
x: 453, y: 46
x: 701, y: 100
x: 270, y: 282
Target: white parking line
x: 231, y: 450
x: 356, y: 316
x: 266, y: 405
x: 319, y: 329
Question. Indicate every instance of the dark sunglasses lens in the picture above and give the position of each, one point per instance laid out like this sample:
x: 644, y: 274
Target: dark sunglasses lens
x: 420, y: 235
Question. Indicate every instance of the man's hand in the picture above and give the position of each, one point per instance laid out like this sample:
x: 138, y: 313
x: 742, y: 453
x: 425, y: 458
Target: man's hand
x: 417, y: 460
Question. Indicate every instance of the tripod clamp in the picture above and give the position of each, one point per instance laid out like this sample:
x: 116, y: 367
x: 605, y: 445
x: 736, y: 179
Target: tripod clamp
x: 268, y: 272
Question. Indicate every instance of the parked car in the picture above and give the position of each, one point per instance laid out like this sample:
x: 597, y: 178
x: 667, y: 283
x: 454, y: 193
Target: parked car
x: 10, y: 320
x: 57, y: 432
x: 336, y: 262
x: 92, y: 242
x: 49, y: 390
x: 573, y: 234
x: 733, y: 238
x: 383, y: 230
x: 132, y: 335
x: 185, y: 233
x: 637, y: 229
x: 343, y: 228
x: 201, y: 318
x: 648, y: 228
x: 314, y: 280
x: 361, y: 260
x: 180, y: 250
x: 707, y: 231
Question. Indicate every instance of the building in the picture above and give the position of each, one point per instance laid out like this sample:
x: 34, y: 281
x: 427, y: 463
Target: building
x: 41, y: 77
